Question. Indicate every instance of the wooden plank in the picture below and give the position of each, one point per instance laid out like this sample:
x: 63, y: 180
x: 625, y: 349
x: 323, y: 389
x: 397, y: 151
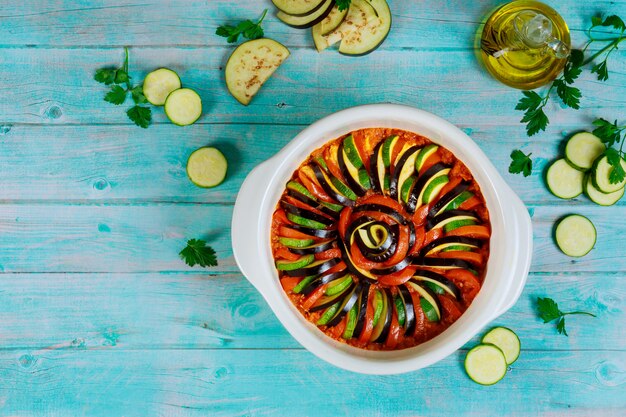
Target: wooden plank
x: 197, y: 311
x: 147, y: 238
x: 183, y: 23
x: 89, y: 163
x: 273, y: 382
x: 56, y: 86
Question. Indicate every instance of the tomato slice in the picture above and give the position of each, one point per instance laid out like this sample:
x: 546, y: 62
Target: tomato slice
x: 478, y: 232
x: 470, y: 203
x: 338, y: 330
x: 419, y: 217
x: 329, y: 254
x: 430, y: 161
x: 395, y: 332
x: 284, y: 253
x: 451, y: 311
x: 467, y: 283
x: 360, y: 260
x: 289, y: 283
x: 402, y: 247
x: 330, y: 157
x: 313, y: 297
x: 420, y: 235
x: 473, y: 257
x: 339, y: 267
x: 383, y: 201
x: 292, y: 233
x: 398, y: 278
x: 344, y: 219
x: 305, y: 206
x: 450, y: 185
x: 280, y: 217
x: 432, y: 234
x: 396, y: 151
x: 368, y: 327
x: 314, y: 188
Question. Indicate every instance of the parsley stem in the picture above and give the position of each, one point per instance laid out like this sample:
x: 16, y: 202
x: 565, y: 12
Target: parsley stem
x: 613, y: 44
x: 262, y: 17
x: 579, y: 312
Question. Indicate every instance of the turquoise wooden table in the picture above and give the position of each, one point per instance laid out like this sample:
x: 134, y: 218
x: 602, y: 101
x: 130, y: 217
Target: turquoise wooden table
x: 100, y: 317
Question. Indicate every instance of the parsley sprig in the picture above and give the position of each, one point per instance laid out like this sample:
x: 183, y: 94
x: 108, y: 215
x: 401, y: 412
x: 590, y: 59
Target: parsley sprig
x: 611, y: 134
x: 121, y: 85
x: 342, y: 4
x: 549, y: 310
x: 198, y: 253
x: 247, y: 28
x: 520, y: 162
x: 532, y: 104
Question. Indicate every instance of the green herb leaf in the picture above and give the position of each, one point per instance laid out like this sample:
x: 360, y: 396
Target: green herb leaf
x: 117, y: 95
x: 571, y: 72
x: 121, y: 77
x: 608, y: 132
x: 577, y: 57
x: 342, y: 4
x: 247, y: 28
x: 614, y: 21
x: 105, y: 75
x: 596, y: 21
x: 198, y: 253
x: 137, y: 94
x: 141, y: 116
x: 530, y: 101
x: 536, y: 121
x: 602, y: 71
x: 569, y: 95
x: 520, y: 162
x: 617, y: 174
x: 560, y: 326
x: 548, y: 309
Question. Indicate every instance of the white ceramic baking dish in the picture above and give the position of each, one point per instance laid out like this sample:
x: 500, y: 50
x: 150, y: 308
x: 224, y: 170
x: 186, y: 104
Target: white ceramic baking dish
x: 507, y: 268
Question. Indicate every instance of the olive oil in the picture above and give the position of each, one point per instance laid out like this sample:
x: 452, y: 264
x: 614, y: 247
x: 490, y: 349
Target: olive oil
x: 524, y: 44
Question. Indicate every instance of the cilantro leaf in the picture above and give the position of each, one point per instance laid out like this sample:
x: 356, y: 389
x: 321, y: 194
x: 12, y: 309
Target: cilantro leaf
x: 198, y: 253
x: 105, y: 75
x: 569, y: 95
x: 602, y: 71
x: 520, y: 162
x: 549, y: 310
x: 247, y: 28
x: 137, y: 94
x: 117, y: 95
x: 608, y: 132
x: 141, y: 116
x: 617, y: 174
x: 342, y: 4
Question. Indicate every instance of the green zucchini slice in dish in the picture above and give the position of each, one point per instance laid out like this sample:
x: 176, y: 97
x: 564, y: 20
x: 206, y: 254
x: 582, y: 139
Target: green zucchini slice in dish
x: 575, y: 235
x: 583, y: 149
x: 485, y: 364
x: 506, y: 340
x: 159, y: 84
x: 563, y: 180
x: 206, y: 167
x: 251, y: 65
x: 183, y: 106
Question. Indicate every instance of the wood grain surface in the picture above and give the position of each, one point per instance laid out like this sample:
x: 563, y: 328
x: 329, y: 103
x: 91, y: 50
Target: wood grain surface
x: 100, y: 317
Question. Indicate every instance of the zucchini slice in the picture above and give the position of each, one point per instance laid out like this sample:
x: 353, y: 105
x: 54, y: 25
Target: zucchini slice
x: 485, y: 364
x: 159, y: 84
x: 206, y: 167
x: 183, y: 107
x: 307, y: 20
x: 294, y: 265
x: 251, y: 65
x: 298, y: 7
x: 598, y: 196
x: 416, y: 197
x: 369, y: 37
x: 575, y: 235
x: 506, y: 340
x: 601, y: 173
x: 423, y: 156
x: 563, y: 180
x: 582, y: 150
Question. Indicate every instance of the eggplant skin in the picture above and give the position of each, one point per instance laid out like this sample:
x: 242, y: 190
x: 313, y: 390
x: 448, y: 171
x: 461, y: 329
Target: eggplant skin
x: 283, y: 17
x: 323, y: 233
x: 443, y: 201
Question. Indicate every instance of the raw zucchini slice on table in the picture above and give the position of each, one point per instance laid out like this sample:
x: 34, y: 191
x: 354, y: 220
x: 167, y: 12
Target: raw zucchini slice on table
x: 183, y: 106
x: 598, y: 196
x: 485, y: 364
x: 251, y: 65
x: 575, y: 235
x: 563, y: 180
x: 582, y: 149
x: 506, y: 340
x: 206, y: 167
x: 298, y: 7
x: 308, y: 20
x: 602, y: 173
x: 159, y: 84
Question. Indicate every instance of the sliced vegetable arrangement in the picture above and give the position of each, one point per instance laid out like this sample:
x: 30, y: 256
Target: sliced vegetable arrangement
x: 359, y: 26
x: 488, y: 362
x: 381, y: 238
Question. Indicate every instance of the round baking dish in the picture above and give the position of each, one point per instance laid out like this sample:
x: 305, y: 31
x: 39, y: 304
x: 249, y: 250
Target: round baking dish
x: 507, y: 267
